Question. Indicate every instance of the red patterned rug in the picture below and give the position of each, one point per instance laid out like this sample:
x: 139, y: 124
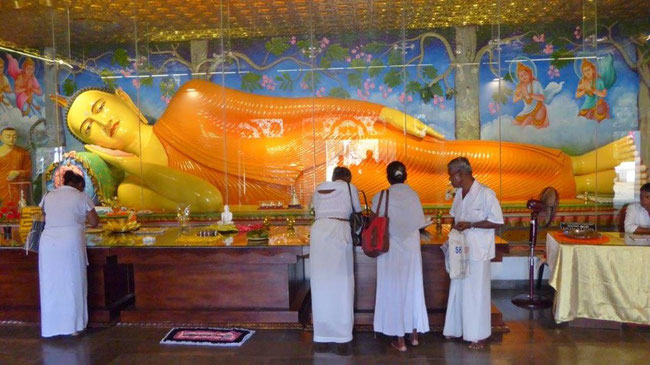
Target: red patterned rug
x: 207, y: 336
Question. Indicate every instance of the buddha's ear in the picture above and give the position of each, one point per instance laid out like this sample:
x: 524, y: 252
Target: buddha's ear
x: 127, y: 99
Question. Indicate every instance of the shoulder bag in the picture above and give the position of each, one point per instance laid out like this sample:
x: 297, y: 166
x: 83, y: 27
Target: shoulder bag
x: 33, y: 240
x: 357, y: 220
x: 375, y: 237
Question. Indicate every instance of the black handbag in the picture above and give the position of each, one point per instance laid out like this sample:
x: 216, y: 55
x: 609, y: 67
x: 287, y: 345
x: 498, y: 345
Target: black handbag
x: 358, y: 221
x: 33, y: 240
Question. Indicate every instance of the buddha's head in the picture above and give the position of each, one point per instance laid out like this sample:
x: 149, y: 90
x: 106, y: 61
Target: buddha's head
x: 8, y: 137
x: 104, y: 118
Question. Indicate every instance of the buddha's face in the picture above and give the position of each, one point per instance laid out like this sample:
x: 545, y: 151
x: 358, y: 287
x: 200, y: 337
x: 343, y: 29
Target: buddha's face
x: 9, y: 138
x: 103, y: 119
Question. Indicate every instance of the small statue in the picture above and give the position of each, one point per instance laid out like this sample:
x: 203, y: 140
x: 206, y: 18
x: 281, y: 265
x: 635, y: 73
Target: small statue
x: 226, y: 216
x: 295, y: 202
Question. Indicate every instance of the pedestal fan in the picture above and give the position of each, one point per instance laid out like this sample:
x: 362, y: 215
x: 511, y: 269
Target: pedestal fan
x: 542, y: 213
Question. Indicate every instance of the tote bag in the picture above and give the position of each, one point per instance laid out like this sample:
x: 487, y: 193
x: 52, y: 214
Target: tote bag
x: 458, y: 252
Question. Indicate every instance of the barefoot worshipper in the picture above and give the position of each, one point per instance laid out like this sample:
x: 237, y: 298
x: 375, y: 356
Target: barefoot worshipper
x: 331, y: 258
x: 400, y: 308
x: 476, y: 213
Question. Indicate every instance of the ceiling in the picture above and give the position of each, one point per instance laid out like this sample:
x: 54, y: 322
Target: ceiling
x: 35, y: 24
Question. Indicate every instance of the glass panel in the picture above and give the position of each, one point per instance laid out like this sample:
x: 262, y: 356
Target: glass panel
x: 99, y: 129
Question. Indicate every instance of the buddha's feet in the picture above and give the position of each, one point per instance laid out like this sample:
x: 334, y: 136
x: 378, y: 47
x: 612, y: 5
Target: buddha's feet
x: 606, y: 157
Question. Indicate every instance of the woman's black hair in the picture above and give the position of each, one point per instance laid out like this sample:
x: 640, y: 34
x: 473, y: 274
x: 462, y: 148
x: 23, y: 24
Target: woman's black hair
x: 396, y: 172
x: 341, y: 173
x: 70, y: 178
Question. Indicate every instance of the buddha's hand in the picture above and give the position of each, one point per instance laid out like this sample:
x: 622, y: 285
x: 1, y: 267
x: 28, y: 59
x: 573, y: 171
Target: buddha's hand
x: 12, y: 175
x: 175, y: 185
x: 405, y: 122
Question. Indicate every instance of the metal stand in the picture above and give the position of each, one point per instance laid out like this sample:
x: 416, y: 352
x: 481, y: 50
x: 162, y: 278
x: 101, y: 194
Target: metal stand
x: 531, y: 300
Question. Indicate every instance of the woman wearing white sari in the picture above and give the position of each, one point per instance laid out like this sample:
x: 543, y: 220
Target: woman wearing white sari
x: 399, y: 306
x: 331, y: 258
x: 62, y: 258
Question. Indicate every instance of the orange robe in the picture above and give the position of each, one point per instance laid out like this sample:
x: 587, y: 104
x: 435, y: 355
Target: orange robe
x: 17, y: 159
x: 265, y: 144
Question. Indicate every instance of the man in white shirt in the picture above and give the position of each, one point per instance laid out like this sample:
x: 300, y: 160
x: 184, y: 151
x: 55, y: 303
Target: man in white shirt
x: 476, y: 213
x: 637, y: 216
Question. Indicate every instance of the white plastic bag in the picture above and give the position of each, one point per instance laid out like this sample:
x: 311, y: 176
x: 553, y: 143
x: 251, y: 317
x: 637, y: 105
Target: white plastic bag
x: 458, y: 252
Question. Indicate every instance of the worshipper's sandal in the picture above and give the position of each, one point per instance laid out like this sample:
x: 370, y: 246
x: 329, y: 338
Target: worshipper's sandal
x: 397, y: 347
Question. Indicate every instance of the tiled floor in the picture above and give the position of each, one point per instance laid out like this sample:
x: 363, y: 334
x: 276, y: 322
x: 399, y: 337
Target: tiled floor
x: 533, y: 339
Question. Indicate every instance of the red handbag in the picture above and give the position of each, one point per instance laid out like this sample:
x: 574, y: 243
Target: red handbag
x: 374, y: 239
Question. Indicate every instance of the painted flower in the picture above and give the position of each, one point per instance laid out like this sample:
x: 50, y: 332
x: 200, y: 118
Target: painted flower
x: 553, y: 72
x: 494, y: 108
x: 136, y: 83
x: 539, y: 38
x: 548, y: 49
x: 293, y: 40
x: 577, y: 33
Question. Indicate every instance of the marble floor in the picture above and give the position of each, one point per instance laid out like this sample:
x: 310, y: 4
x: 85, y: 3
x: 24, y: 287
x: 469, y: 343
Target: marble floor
x: 534, y: 338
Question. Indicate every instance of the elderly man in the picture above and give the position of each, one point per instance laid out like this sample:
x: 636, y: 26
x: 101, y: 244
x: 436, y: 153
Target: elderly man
x: 637, y: 218
x: 476, y: 213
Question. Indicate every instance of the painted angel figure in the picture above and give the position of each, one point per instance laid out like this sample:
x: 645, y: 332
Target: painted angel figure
x: 530, y: 91
x: 593, y: 87
x: 25, y: 84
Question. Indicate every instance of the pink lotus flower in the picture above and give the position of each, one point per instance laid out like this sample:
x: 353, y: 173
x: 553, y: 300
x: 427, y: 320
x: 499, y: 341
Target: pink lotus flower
x: 494, y: 108
x: 401, y: 98
x: 548, y: 49
x: 125, y: 72
x: 539, y: 38
x: 348, y: 59
x: 326, y: 41
x: 353, y: 51
x: 136, y: 83
x: 293, y: 40
x: 553, y: 72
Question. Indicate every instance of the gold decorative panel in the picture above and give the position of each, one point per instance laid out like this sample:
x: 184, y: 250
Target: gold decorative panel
x: 38, y: 23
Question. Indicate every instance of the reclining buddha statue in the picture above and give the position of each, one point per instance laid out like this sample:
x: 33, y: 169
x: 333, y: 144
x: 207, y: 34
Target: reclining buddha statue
x: 212, y: 141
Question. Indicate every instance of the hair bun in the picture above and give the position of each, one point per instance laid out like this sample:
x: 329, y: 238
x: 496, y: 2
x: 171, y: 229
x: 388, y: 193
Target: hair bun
x: 398, y: 173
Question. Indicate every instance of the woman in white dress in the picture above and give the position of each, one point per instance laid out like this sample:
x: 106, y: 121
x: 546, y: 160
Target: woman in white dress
x: 331, y: 253
x: 399, y: 306
x: 62, y: 258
